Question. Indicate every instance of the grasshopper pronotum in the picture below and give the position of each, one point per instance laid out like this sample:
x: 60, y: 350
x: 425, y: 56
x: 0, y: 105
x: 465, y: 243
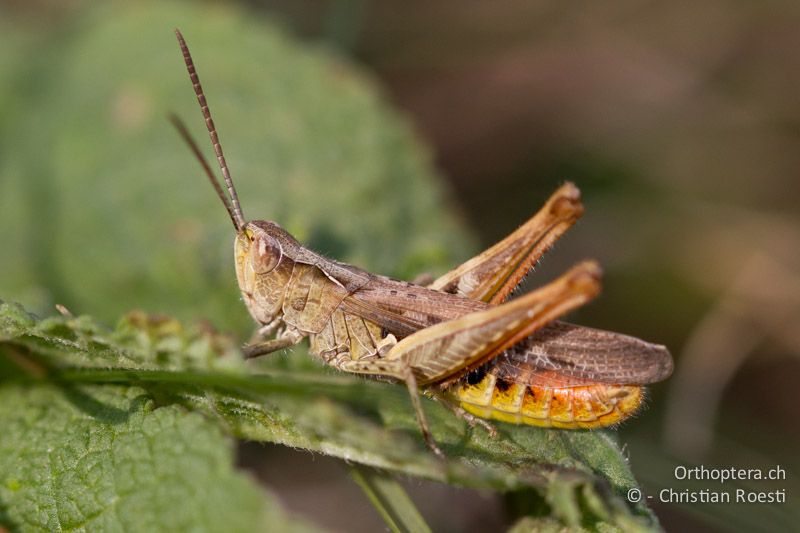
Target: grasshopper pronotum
x: 459, y: 337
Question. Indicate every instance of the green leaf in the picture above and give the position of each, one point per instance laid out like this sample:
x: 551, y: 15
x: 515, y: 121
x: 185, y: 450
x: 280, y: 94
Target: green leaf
x: 108, y: 458
x: 582, y: 476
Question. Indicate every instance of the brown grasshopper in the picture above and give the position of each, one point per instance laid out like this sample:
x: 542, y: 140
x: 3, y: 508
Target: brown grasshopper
x: 459, y: 336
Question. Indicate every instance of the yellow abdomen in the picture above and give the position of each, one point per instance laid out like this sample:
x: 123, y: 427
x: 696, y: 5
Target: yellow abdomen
x: 580, y: 407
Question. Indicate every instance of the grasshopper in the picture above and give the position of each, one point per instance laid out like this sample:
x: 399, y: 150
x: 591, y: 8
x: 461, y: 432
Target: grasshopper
x: 458, y: 337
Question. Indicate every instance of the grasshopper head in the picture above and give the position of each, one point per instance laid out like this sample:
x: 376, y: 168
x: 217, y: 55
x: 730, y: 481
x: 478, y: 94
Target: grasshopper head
x: 262, y: 268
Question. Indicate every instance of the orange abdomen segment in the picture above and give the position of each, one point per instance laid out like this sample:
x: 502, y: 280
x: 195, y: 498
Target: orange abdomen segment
x: 581, y: 407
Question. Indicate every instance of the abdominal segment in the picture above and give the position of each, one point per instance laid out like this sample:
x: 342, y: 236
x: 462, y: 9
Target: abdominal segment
x: 575, y: 407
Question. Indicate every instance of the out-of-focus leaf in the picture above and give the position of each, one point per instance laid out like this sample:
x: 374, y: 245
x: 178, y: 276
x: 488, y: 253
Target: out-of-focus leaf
x: 581, y: 475
x: 103, y: 207
x: 390, y: 499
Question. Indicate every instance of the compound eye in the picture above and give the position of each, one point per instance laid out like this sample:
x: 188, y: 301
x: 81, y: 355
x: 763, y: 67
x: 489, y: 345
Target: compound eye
x: 266, y: 254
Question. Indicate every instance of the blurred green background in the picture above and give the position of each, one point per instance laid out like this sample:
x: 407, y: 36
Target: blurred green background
x: 403, y: 136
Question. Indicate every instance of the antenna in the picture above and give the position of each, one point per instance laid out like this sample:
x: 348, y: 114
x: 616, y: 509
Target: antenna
x: 187, y: 137
x: 234, y: 209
